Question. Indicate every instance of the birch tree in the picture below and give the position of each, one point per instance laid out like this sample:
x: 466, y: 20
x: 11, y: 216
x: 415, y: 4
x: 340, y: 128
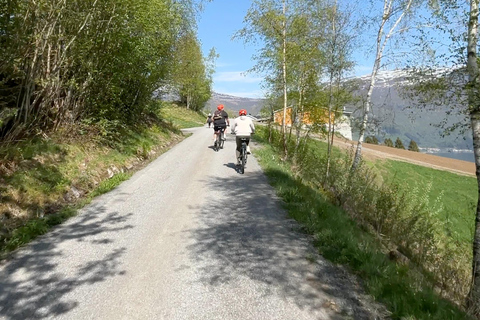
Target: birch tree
x: 267, y: 21
x: 192, y: 75
x: 473, y: 88
x: 293, y: 33
x: 463, y: 98
x: 394, y: 11
x: 338, y: 50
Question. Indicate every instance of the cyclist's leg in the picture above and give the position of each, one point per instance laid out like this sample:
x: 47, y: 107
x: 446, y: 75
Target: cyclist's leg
x: 220, y: 138
x: 215, y: 133
x: 237, y: 149
x: 224, y: 130
x: 248, y: 147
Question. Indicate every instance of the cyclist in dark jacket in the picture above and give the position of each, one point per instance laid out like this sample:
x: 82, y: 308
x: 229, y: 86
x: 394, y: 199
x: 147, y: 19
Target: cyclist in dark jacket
x: 220, y: 122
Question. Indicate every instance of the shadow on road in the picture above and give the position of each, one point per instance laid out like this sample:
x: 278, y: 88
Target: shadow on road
x: 246, y: 234
x: 231, y: 165
x: 32, y: 286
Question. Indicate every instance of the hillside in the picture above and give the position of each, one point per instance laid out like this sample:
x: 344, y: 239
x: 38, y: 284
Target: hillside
x: 392, y: 116
x: 253, y: 106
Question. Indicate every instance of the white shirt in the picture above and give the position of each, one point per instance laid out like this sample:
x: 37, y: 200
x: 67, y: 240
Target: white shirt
x: 243, y: 126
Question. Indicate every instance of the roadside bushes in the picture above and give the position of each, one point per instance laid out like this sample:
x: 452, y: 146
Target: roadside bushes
x: 406, y: 221
x: 99, y: 61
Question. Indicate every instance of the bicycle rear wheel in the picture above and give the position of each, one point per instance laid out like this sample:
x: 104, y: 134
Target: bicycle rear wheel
x: 244, y: 158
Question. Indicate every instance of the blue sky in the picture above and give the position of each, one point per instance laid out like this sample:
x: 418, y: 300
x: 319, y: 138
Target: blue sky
x: 216, y: 26
x: 222, y: 18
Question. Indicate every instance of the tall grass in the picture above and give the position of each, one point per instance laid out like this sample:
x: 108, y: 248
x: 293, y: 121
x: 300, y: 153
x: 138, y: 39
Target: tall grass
x: 376, y: 222
x: 181, y: 117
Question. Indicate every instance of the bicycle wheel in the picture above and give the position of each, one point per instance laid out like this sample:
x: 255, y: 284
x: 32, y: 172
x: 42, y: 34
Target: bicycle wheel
x: 243, y: 155
x: 221, y: 140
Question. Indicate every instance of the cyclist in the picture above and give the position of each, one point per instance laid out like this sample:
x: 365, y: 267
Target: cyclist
x: 209, y: 119
x: 242, y: 127
x: 220, y: 122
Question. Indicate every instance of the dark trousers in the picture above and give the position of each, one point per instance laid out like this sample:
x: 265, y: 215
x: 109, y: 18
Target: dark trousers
x: 239, y: 142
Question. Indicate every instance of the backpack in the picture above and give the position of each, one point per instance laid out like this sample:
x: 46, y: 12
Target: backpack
x: 217, y: 115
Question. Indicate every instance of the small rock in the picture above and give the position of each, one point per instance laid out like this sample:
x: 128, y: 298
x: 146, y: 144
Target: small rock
x: 331, y: 305
x: 72, y: 194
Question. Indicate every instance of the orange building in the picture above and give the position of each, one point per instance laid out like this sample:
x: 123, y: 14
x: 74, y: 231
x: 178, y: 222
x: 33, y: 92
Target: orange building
x: 306, y: 117
x: 343, y: 125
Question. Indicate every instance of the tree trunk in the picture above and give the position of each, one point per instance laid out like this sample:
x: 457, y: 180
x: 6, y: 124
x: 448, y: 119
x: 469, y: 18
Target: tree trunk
x: 381, y: 42
x: 284, y: 63
x: 299, y: 119
x: 329, y: 133
x: 473, y: 300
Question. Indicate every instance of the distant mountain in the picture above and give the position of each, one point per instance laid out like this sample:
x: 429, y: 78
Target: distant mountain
x: 391, y: 116
x: 253, y: 106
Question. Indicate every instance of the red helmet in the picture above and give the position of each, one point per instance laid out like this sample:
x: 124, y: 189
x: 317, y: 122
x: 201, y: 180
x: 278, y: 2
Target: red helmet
x: 242, y: 112
x: 220, y: 107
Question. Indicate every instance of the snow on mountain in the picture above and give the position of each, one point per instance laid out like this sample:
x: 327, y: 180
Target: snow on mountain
x: 252, y: 105
x: 394, y: 115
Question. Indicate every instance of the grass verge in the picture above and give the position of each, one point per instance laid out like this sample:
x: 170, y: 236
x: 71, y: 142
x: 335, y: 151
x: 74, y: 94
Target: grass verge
x: 341, y: 240
x: 181, y: 117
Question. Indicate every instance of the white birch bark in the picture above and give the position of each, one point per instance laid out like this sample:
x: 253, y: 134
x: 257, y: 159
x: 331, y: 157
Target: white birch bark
x: 473, y: 300
x: 382, y: 40
x: 284, y: 64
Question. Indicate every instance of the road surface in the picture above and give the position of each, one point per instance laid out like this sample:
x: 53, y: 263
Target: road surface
x: 187, y: 237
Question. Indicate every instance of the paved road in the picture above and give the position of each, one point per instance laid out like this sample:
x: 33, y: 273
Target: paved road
x: 185, y: 238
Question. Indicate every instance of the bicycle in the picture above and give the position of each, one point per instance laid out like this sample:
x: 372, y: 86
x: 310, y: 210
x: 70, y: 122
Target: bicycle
x: 218, y: 144
x: 243, y: 155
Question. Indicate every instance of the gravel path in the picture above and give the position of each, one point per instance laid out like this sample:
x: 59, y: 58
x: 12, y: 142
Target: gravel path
x: 187, y: 237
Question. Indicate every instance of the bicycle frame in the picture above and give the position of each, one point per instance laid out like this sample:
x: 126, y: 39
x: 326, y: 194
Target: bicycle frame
x: 243, y: 155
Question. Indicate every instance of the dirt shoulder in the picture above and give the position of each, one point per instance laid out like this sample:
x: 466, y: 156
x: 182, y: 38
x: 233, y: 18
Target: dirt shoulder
x: 374, y: 152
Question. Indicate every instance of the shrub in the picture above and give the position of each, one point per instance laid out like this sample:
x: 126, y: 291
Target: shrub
x: 412, y: 146
x: 404, y: 216
x: 388, y: 142
x: 371, y: 140
x: 399, y: 144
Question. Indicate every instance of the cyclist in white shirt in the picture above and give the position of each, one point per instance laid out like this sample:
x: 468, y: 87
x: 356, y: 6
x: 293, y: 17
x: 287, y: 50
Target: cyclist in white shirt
x: 242, y: 127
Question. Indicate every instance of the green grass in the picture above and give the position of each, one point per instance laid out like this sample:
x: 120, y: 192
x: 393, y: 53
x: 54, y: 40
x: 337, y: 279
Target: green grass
x: 339, y: 239
x: 38, y: 226
x: 182, y: 117
x: 457, y: 193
